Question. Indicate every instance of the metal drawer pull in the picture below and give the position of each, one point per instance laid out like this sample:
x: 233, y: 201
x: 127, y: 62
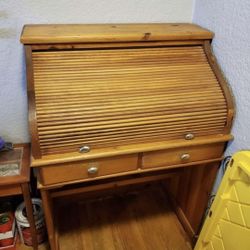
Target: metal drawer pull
x: 84, y: 149
x: 189, y: 136
x: 92, y: 170
x: 185, y: 157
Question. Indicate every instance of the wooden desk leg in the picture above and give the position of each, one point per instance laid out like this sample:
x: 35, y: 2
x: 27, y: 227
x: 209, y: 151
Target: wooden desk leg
x: 47, y: 207
x: 29, y: 210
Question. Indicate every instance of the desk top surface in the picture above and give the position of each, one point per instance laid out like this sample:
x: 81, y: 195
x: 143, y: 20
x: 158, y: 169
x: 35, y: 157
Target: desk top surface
x: 89, y: 33
x: 21, y: 156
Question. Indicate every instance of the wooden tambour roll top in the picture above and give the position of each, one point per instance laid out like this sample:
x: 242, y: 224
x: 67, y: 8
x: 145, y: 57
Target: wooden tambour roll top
x: 103, y: 90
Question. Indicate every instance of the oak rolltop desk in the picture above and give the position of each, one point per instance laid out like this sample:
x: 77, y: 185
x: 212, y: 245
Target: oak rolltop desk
x: 115, y: 101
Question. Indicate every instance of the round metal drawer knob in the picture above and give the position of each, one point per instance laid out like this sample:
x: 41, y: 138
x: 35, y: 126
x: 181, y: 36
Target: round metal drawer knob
x: 185, y: 157
x: 92, y: 170
x: 189, y: 136
x: 84, y: 149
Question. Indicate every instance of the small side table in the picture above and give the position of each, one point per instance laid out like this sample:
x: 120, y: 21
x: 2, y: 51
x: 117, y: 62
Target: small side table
x: 18, y: 183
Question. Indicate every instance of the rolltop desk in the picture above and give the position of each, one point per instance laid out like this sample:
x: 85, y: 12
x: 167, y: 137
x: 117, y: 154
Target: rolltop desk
x: 122, y: 103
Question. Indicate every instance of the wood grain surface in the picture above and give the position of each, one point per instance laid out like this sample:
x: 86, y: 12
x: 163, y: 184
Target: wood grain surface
x: 174, y: 156
x: 73, y: 33
x: 124, y: 96
x: 128, y: 149
x: 44, y: 246
x: 69, y: 172
x: 139, y: 220
x: 190, y: 191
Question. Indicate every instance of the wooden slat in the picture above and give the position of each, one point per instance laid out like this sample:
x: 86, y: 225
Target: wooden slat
x: 65, y: 46
x: 124, y: 139
x: 109, y: 97
x: 72, y: 156
x: 78, y: 102
x: 171, y: 98
x: 130, y: 130
x: 171, y: 132
x: 119, y: 123
x: 121, y: 133
x: 124, y: 115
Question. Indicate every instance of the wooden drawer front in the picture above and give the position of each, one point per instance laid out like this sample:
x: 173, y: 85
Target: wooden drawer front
x: 80, y: 170
x: 181, y: 155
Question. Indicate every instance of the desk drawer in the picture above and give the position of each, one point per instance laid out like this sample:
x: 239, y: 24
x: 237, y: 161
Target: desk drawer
x: 82, y: 170
x: 182, y: 155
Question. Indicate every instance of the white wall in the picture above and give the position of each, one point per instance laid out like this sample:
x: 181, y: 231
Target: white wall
x: 15, y: 13
x: 230, y: 20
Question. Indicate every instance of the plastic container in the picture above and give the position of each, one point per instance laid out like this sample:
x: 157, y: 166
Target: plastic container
x: 7, y: 225
x: 227, y: 225
x: 23, y: 224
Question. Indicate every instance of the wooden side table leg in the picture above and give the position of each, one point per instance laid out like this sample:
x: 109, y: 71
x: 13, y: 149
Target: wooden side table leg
x: 47, y: 207
x: 29, y: 209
